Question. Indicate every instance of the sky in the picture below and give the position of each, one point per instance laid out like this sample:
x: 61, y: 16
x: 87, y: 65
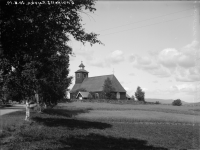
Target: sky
x: 151, y: 44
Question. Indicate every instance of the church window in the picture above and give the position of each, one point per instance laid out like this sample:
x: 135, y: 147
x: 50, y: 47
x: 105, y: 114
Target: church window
x: 78, y: 75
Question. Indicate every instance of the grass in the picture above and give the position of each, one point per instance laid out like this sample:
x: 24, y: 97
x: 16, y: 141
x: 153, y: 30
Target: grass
x: 87, y: 126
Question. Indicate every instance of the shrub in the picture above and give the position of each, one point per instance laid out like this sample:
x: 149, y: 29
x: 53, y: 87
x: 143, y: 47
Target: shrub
x: 113, y: 96
x: 157, y: 102
x: 177, y: 102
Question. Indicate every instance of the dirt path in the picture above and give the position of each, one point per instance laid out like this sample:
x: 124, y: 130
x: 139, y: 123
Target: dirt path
x: 14, y: 108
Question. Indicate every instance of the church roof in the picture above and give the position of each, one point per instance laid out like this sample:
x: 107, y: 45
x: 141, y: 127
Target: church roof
x: 81, y: 65
x: 81, y: 70
x: 95, y: 84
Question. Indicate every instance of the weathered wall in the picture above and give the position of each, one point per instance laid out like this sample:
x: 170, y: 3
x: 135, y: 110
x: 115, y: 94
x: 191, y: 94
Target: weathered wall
x: 122, y: 95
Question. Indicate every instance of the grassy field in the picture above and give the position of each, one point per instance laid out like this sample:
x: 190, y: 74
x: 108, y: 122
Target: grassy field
x: 99, y: 126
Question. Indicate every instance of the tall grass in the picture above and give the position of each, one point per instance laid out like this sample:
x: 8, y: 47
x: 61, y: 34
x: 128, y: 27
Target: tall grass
x: 66, y: 128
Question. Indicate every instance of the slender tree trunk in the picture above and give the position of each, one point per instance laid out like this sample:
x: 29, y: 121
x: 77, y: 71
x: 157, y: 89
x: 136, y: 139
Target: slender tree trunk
x: 38, y: 102
x: 27, y: 118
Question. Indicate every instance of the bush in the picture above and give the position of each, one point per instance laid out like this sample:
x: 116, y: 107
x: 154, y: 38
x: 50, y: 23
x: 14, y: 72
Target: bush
x: 113, y: 96
x: 157, y: 102
x: 177, y: 102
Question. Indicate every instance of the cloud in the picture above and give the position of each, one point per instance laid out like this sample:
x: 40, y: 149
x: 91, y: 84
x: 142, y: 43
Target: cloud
x: 160, y: 72
x: 149, y: 65
x: 186, y: 88
x: 182, y: 64
x: 168, y: 57
x: 190, y: 89
x: 171, y: 57
x: 116, y: 56
x: 142, y: 62
x: 192, y: 46
x: 188, y: 75
x: 173, y: 89
x: 186, y: 61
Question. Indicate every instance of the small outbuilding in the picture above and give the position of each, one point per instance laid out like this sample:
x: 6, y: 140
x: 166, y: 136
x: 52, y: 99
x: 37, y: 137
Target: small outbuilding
x: 82, y: 95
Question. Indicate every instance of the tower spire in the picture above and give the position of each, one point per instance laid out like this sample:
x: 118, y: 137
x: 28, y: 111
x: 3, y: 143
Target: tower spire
x: 81, y: 65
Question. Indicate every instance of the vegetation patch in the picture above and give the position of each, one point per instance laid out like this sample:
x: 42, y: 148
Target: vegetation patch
x: 62, y: 128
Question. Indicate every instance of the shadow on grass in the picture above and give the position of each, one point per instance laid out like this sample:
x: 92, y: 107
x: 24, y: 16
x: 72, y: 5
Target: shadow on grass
x: 100, y: 142
x: 71, y: 123
x: 16, y: 114
x: 12, y: 107
x: 65, y: 112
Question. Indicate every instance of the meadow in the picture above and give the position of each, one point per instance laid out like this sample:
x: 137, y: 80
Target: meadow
x: 94, y: 125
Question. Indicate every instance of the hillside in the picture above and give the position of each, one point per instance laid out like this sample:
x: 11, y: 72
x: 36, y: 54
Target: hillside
x: 162, y: 101
x: 193, y: 104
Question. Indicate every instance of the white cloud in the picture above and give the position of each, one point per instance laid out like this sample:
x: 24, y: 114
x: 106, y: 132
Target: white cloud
x: 186, y: 61
x: 116, y: 56
x: 187, y: 75
x: 168, y: 57
x: 149, y: 65
x: 192, y: 46
x: 171, y: 57
x: 160, y: 72
x: 189, y: 54
x: 187, y: 92
x: 188, y: 88
x: 182, y: 64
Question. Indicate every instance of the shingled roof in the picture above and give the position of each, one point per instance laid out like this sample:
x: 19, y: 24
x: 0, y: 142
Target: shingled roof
x: 95, y: 84
x: 81, y: 70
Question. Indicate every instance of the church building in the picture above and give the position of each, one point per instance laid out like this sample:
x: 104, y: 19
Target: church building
x: 94, y: 85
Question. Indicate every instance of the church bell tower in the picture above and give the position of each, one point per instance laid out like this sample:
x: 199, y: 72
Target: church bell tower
x: 81, y: 74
